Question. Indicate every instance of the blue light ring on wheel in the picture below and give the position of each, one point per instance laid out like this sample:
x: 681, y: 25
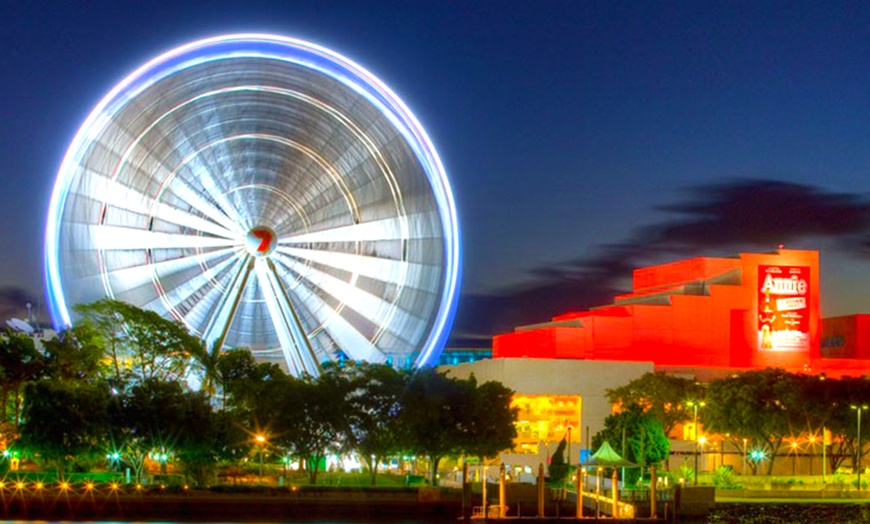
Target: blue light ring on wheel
x: 297, y: 52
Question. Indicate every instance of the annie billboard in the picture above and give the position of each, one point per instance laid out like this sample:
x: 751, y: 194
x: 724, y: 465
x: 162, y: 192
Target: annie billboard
x: 783, y: 308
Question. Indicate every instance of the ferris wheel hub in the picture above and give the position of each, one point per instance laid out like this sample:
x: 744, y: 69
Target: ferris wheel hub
x: 261, y: 241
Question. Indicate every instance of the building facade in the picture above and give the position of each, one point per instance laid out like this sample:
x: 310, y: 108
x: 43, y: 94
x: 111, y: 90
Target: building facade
x: 752, y: 311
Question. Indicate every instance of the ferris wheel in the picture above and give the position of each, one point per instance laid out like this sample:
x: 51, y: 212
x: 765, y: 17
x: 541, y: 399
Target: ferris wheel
x: 269, y: 194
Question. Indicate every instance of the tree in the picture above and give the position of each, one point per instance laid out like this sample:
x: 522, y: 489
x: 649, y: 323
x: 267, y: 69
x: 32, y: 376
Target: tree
x: 374, y: 405
x: 661, y: 395
x: 150, y: 417
x: 204, y: 439
x: 63, y: 419
x: 828, y: 404
x: 311, y: 418
x: 762, y: 406
x: 75, y: 354
x: 558, y: 469
x: 646, y: 443
x: 142, y: 341
x: 491, y: 427
x: 20, y: 363
x: 444, y: 417
x: 432, y: 417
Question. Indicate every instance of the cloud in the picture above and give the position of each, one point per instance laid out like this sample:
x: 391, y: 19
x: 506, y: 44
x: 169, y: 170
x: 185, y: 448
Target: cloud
x: 710, y: 220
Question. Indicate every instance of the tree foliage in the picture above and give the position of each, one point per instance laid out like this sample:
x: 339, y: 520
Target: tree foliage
x: 646, y: 443
x: 140, y: 343
x: 444, y: 416
x: 762, y: 406
x: 374, y: 404
x: 558, y: 468
x: 661, y: 395
x: 63, y: 419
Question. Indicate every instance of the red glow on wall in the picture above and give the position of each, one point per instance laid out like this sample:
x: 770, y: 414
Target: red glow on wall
x: 701, y: 313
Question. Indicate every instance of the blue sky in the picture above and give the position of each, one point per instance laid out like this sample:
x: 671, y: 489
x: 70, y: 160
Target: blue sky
x: 571, y: 130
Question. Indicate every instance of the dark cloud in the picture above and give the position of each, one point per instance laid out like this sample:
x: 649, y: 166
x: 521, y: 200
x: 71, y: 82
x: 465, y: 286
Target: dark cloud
x: 711, y: 220
x: 762, y: 213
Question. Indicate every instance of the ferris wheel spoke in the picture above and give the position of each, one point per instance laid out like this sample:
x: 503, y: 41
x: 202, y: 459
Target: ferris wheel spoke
x: 224, y: 215
x: 136, y: 276
x: 218, y: 326
x: 297, y: 349
x: 171, y: 299
x: 118, y: 238
x: 399, y: 272
x: 113, y: 193
x: 379, y: 312
x: 176, y: 216
x: 350, y: 341
x: 386, y: 229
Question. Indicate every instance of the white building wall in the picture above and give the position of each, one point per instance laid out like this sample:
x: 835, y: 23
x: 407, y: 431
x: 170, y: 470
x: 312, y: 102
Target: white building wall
x: 590, y: 379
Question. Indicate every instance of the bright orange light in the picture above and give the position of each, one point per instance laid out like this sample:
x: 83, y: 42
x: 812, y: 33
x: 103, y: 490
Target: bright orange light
x: 39, y: 485
x: 260, y: 439
x: 114, y: 486
x: 19, y: 485
x: 64, y: 486
x: 793, y: 445
x: 89, y: 486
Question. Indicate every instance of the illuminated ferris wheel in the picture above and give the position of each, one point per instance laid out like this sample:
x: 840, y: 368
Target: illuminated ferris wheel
x: 268, y: 193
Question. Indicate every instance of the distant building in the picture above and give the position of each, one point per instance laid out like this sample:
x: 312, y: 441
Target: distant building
x: 704, y: 315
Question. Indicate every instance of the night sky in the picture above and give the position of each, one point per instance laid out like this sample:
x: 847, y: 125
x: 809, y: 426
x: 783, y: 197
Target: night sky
x: 582, y: 139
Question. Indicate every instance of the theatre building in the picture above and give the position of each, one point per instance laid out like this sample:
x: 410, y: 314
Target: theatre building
x: 701, y: 318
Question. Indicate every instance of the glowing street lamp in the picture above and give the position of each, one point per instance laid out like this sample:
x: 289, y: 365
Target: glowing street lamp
x: 695, y: 405
x: 114, y: 459
x: 859, y: 409
x: 261, y: 442
x: 756, y: 456
x: 794, y: 451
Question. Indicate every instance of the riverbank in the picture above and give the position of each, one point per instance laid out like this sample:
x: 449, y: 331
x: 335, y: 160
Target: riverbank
x: 423, y: 505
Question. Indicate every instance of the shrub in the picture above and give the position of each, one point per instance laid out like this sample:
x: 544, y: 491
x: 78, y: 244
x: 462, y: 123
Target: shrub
x: 723, y: 478
x: 687, y: 473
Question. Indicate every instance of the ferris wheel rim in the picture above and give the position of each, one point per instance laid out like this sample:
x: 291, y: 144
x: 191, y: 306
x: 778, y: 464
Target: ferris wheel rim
x: 298, y: 52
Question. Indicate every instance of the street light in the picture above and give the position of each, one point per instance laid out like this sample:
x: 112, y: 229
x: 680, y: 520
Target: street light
x: 261, y: 441
x: 701, y: 442
x: 812, y: 452
x: 695, y: 405
x: 859, y: 409
x: 794, y: 451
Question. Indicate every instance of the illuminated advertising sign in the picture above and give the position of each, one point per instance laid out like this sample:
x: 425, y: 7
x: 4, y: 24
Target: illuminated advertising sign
x: 783, y: 308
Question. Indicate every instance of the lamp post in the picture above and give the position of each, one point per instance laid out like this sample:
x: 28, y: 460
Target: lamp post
x: 812, y: 452
x: 744, y: 456
x: 859, y: 409
x: 565, y: 482
x: 695, y: 405
x: 794, y: 451
x: 261, y: 441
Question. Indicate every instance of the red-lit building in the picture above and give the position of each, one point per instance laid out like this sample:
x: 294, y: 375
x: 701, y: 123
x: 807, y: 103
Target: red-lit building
x: 705, y: 315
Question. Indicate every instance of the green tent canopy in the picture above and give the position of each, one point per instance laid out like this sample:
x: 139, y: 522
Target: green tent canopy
x: 607, y: 457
